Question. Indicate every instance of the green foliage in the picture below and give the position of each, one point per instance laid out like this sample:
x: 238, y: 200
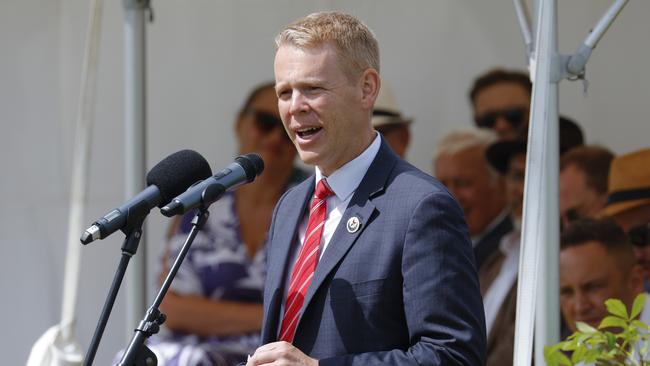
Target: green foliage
x: 621, y: 339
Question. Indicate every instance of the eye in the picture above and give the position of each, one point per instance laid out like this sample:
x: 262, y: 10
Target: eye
x: 595, y: 286
x: 463, y: 183
x: 284, y: 94
x: 565, y: 292
x: 314, y: 89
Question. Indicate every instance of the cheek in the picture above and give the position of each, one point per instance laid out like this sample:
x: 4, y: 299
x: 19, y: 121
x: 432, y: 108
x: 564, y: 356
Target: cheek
x: 642, y: 252
x: 475, y: 196
x: 566, y: 304
x: 461, y: 194
x: 283, y: 110
x: 247, y: 137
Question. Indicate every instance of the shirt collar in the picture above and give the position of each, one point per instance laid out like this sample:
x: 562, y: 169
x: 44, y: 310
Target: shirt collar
x: 509, y: 243
x: 345, y: 180
x: 496, y: 221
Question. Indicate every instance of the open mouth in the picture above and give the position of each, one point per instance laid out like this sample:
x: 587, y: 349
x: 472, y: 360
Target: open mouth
x: 308, y: 132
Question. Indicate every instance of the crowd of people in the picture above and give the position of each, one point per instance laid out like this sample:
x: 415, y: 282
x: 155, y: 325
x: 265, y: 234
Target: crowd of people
x: 217, y: 306
x: 604, y: 203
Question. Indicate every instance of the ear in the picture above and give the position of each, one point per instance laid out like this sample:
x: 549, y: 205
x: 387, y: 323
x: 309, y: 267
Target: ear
x: 406, y: 135
x: 370, y: 84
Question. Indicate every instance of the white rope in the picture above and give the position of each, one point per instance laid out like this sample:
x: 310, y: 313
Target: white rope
x: 57, y: 346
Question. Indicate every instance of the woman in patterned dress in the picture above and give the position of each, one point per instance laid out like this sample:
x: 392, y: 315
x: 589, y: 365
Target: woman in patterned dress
x: 214, y: 306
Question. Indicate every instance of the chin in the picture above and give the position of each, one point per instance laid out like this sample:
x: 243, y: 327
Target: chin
x: 308, y: 157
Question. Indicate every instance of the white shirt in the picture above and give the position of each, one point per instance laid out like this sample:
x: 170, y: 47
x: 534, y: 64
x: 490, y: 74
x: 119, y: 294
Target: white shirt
x: 343, y: 182
x: 498, y: 290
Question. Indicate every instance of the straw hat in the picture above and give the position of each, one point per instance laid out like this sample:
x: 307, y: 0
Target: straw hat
x: 629, y: 182
x: 386, y: 111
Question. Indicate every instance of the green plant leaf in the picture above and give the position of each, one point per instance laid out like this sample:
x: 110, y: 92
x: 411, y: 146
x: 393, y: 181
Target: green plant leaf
x: 563, y: 359
x: 616, y: 307
x: 554, y: 357
x: 611, y: 340
x: 612, y: 321
x: 586, y: 328
x: 640, y: 325
x: 619, y: 340
x: 638, y: 305
x: 580, y: 354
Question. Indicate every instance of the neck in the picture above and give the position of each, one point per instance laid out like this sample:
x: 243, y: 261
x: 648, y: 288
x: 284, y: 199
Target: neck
x: 364, y: 142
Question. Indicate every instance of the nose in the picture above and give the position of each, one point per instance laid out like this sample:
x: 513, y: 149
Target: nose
x: 298, y: 102
x: 582, y: 305
x: 504, y: 129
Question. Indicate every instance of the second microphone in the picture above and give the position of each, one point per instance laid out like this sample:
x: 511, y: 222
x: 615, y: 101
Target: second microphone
x: 243, y: 170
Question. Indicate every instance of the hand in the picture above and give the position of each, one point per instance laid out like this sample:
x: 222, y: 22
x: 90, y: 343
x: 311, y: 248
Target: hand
x: 280, y: 353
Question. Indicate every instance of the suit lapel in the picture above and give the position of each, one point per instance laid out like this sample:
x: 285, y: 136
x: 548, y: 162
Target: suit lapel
x: 362, y: 208
x: 286, y: 226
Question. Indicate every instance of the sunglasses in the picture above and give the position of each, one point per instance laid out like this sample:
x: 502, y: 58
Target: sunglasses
x: 638, y: 235
x: 514, y: 116
x: 266, y: 122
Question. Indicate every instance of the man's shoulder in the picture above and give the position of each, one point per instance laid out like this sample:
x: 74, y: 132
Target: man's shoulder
x: 296, y: 193
x: 407, y: 177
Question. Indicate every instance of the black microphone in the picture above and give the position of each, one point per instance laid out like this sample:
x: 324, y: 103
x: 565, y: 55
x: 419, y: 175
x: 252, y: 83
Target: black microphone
x: 243, y: 170
x: 167, y: 179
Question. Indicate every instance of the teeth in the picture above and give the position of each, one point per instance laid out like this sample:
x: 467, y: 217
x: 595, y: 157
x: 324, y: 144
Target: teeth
x: 310, y: 129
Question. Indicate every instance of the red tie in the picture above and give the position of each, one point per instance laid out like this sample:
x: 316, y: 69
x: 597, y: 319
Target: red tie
x: 303, y: 270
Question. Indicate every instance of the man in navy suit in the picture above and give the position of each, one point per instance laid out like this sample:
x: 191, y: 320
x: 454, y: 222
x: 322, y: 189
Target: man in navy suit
x: 369, y: 260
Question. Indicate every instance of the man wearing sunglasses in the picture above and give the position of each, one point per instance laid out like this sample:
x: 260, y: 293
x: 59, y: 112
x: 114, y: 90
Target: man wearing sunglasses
x: 629, y: 202
x: 501, y: 102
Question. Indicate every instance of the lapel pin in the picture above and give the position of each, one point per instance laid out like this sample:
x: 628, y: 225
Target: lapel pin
x: 353, y: 224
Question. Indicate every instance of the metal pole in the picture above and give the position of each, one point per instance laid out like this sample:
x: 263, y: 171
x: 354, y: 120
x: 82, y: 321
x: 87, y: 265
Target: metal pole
x: 538, y: 267
x: 524, y: 25
x: 577, y: 62
x: 135, y: 145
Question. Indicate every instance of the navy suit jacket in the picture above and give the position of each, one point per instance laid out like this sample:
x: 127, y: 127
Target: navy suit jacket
x: 401, y: 290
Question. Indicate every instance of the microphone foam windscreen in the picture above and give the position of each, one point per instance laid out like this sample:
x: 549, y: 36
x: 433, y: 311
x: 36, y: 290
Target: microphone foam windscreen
x: 252, y: 164
x: 177, y: 172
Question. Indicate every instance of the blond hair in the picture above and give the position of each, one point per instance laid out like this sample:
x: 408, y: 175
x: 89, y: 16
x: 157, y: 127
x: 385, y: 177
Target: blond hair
x: 354, y: 42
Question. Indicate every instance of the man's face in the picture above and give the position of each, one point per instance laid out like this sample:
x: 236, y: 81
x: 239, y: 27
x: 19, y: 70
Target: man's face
x: 589, y: 275
x: 325, y: 113
x: 576, y: 197
x: 515, y: 184
x: 503, y: 101
x: 635, y: 218
x: 466, y: 176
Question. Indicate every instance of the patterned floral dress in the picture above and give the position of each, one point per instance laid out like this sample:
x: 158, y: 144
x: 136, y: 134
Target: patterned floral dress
x: 217, y: 266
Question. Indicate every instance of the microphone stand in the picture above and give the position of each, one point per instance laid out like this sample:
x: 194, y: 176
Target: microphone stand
x: 137, y: 353
x: 129, y: 248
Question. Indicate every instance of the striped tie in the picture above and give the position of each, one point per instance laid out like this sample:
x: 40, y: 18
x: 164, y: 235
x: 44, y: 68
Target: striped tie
x: 303, y: 270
